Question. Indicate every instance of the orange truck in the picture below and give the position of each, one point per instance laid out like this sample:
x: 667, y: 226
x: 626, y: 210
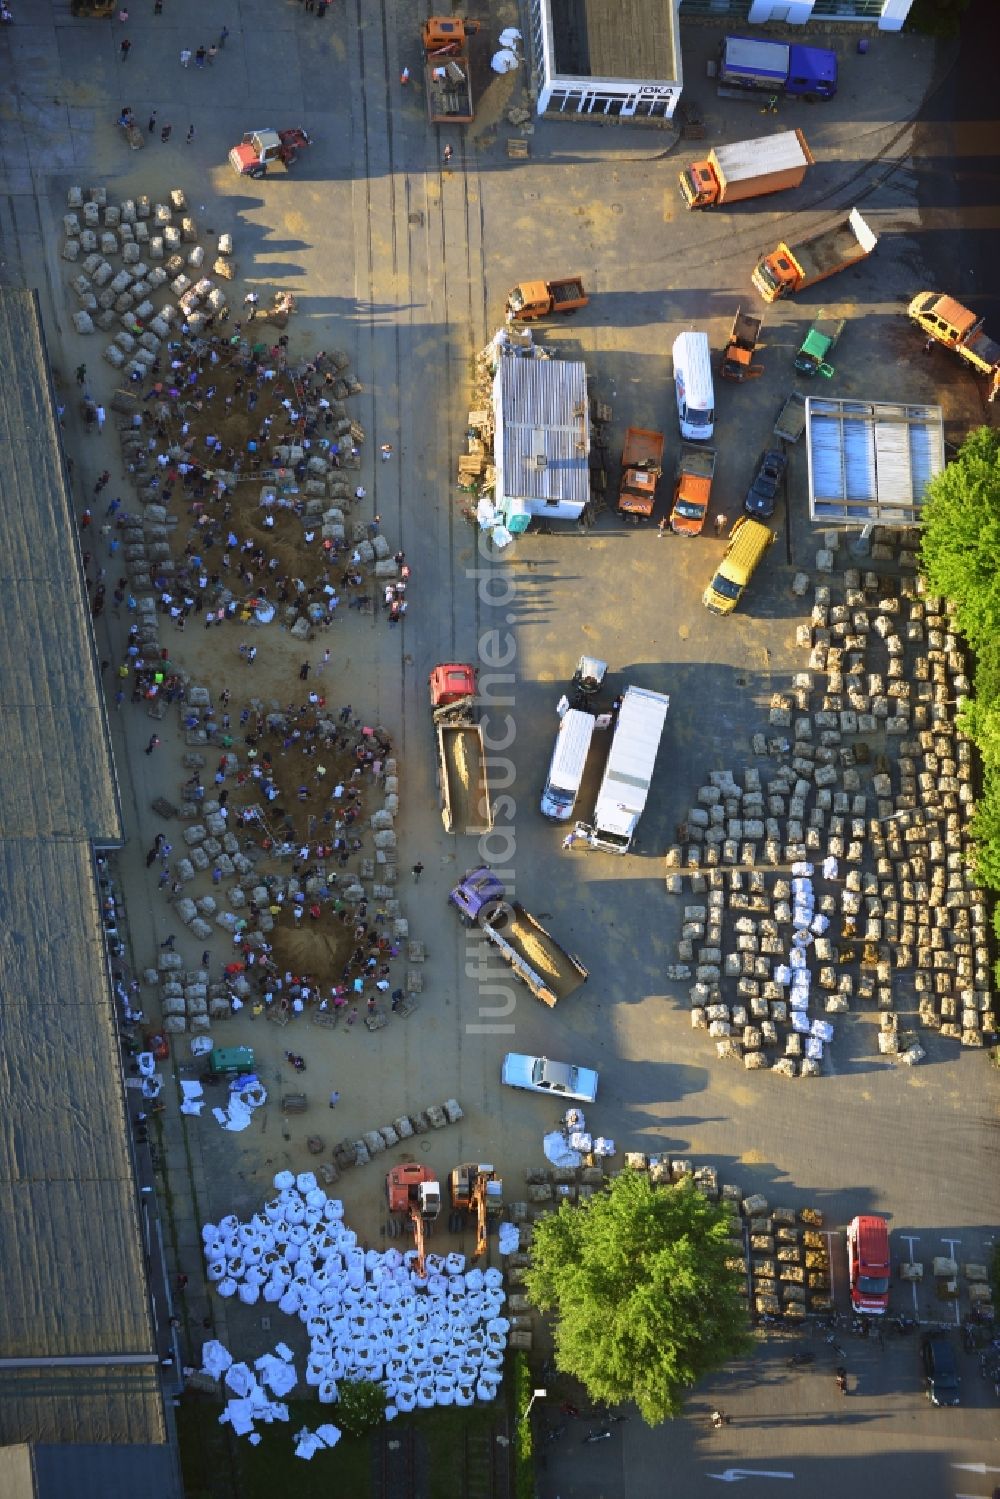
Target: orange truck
x: 747, y: 169
x: 534, y: 299
x: 958, y: 329
x: 642, y: 465
x: 792, y: 267
x: 447, y: 71
x: 692, y: 490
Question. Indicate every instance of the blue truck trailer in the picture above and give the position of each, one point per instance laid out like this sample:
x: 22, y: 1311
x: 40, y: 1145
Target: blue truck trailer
x: 750, y: 62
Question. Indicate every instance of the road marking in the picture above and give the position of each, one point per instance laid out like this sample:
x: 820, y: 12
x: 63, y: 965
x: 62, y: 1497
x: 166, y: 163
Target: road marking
x: 951, y: 1255
x: 734, y: 1475
x: 909, y: 1240
x: 829, y: 1257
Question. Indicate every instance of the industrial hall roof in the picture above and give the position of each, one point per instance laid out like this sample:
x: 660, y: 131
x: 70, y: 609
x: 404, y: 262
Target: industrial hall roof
x: 544, y: 441
x: 615, y: 39
x: 78, y: 1359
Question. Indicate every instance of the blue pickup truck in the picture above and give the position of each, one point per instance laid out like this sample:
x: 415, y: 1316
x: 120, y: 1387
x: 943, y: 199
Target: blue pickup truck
x: 750, y: 62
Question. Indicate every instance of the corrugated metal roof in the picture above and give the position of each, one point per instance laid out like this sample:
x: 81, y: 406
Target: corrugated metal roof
x: 542, y: 412
x: 101, y: 1472
x: 74, y: 1277
x: 870, y: 462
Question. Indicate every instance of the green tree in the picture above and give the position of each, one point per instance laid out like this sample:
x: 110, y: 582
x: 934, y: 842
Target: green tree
x: 960, y: 539
x: 360, y: 1406
x: 645, y: 1303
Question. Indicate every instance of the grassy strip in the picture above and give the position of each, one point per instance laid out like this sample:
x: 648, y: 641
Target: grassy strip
x: 524, y: 1455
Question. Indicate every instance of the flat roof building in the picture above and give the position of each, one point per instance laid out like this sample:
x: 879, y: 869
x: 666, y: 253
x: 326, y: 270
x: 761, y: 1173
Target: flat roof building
x: 607, y: 58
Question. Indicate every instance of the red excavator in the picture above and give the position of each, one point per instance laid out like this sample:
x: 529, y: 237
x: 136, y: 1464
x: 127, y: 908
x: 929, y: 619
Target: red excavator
x: 414, y: 1193
x: 476, y: 1190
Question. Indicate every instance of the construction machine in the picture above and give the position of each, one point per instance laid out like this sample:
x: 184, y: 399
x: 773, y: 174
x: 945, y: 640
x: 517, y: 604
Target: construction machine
x: 414, y: 1193
x: 477, y: 1191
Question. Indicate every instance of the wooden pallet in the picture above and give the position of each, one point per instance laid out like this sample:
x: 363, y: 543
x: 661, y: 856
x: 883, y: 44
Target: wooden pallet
x: 329, y: 1019
x: 294, y: 1103
x: 278, y: 1016
x: 517, y: 148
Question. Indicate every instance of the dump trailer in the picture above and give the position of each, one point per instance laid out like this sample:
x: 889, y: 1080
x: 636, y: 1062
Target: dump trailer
x: 642, y: 465
x: 958, y: 329
x: 629, y: 771
x: 791, y: 267
x: 754, y: 62
x: 747, y: 169
x: 537, y: 959
x: 447, y: 72
x: 534, y: 299
x: 737, y: 356
x: 692, y: 490
x: 462, y: 774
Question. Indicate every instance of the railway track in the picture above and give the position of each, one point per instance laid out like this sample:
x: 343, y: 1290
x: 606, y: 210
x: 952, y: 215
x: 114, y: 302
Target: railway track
x: 395, y: 1475
x: 487, y: 1468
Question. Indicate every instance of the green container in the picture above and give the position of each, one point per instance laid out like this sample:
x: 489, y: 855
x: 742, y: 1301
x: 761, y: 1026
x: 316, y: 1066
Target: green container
x: 231, y: 1061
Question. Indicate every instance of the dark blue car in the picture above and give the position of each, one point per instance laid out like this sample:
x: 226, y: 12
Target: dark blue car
x: 763, y: 492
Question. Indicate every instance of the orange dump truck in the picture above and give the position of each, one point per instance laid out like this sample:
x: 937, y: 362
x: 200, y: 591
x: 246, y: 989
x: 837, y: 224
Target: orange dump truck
x: 792, y: 267
x: 747, y: 169
x: 642, y: 465
x: 692, y: 490
x: 534, y: 299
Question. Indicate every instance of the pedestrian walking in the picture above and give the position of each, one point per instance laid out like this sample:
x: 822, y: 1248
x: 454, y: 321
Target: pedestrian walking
x: 165, y: 133
x: 569, y: 840
x: 416, y: 870
x: 123, y: 16
x: 180, y: 1284
x: 125, y: 48
x: 205, y: 958
x: 324, y: 663
x: 190, y: 134
x: 222, y: 36
x: 661, y: 529
x: 304, y: 671
x: 186, y: 58
x: 721, y: 521
x: 101, y: 416
x: 404, y: 77
x: 81, y: 373
x: 151, y: 858
x: 157, y: 7
x: 448, y: 153
x: 386, y: 452
x: 199, y: 58
x: 168, y: 942
x: 152, y: 122
x: 154, y: 741
x: 334, y: 1099
x: 212, y: 53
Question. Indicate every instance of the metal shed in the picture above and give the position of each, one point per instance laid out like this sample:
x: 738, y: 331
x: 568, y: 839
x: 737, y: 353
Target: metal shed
x: 542, y: 444
x: 869, y: 462
x: 607, y: 58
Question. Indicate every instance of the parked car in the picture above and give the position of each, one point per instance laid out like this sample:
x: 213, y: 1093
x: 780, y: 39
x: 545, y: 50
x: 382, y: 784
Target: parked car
x: 540, y: 1075
x: 763, y: 492
x: 940, y: 1369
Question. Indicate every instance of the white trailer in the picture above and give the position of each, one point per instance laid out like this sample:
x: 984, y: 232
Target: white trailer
x: 629, y: 771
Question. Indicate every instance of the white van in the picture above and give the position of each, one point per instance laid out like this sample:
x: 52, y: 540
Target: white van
x: 569, y: 760
x: 693, y: 383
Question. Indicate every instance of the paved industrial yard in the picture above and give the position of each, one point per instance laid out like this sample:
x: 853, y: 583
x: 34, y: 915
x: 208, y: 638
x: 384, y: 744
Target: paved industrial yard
x: 406, y: 265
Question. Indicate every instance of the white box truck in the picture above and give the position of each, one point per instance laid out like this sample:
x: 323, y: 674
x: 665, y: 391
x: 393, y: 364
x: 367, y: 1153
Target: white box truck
x: 629, y: 771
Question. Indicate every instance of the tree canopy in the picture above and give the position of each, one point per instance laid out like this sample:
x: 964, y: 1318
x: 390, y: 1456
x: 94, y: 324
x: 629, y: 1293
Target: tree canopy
x: 644, y: 1298
x: 960, y: 543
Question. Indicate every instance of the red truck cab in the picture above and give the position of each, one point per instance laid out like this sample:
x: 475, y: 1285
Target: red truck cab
x: 868, y: 1265
x: 451, y: 683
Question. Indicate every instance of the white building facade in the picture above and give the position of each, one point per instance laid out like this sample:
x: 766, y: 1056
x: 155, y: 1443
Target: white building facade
x: 607, y: 59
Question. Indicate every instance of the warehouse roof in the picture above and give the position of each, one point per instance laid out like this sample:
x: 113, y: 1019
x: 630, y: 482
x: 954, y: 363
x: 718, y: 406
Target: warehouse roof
x: 869, y: 462
x: 615, y: 39
x: 78, y: 1360
x: 543, y: 437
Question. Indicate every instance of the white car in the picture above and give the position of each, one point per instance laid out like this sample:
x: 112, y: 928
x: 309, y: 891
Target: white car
x: 540, y: 1075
